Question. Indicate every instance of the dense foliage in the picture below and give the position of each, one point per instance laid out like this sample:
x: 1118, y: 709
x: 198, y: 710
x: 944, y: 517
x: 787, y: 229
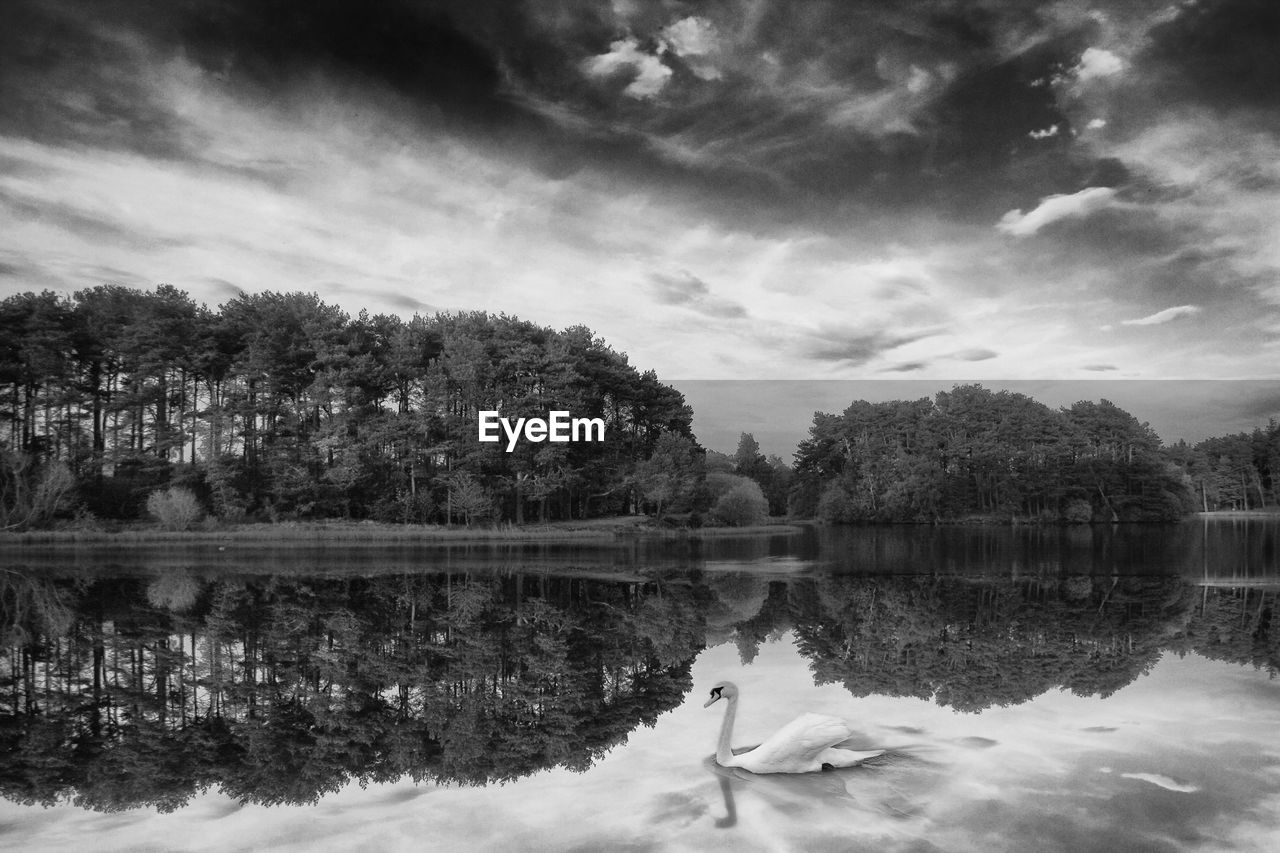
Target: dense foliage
x: 281, y: 406
x: 975, y: 452
x: 1240, y: 471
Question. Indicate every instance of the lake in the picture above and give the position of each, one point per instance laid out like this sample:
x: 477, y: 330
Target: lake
x: 1074, y: 689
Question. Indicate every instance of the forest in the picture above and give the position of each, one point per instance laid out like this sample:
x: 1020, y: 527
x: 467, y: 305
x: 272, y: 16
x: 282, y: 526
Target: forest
x: 280, y: 406
x: 976, y: 453
x: 119, y: 405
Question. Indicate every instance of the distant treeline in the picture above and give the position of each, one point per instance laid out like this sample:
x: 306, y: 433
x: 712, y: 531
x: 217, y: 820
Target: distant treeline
x: 278, y: 405
x: 973, y: 452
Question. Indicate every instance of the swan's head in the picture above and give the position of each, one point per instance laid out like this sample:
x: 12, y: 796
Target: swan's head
x: 722, y: 690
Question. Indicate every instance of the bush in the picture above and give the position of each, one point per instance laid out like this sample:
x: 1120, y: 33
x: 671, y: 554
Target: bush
x: 176, y: 507
x: 1078, y: 511
x: 742, y: 506
x: 835, y: 506
x: 720, y: 483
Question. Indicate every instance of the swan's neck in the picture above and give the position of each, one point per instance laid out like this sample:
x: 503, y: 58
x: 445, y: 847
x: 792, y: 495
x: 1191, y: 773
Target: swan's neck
x: 724, y: 753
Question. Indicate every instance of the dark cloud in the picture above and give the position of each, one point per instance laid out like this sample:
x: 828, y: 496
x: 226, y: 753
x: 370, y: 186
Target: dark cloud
x: 907, y: 367
x: 679, y: 289
x: 902, y: 287
x: 371, y: 296
x: 988, y: 116
x: 65, y: 77
x: 1120, y: 231
x: 855, y: 347
x: 820, y: 108
x: 978, y: 354
x: 1100, y: 368
x: 98, y: 274
x: 414, y: 48
x: 1222, y: 53
x: 689, y: 291
x: 94, y: 225
x: 222, y: 289
x: 1108, y: 172
x: 407, y: 303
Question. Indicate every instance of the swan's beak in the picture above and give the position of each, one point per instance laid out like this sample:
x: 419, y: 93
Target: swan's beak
x: 715, y: 698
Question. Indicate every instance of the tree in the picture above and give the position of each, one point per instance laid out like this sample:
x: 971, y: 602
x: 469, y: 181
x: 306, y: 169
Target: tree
x: 469, y: 497
x: 669, y: 475
x: 31, y: 494
x: 741, y: 506
x: 972, y: 451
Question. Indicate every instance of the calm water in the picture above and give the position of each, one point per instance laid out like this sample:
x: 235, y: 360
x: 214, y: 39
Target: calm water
x: 1085, y: 689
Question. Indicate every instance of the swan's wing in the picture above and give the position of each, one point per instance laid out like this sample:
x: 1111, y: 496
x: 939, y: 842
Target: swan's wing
x: 797, y: 745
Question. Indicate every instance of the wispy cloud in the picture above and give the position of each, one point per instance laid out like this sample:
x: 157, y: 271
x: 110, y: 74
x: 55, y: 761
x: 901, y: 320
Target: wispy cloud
x: 1163, y: 782
x: 1165, y: 316
x: 1055, y: 207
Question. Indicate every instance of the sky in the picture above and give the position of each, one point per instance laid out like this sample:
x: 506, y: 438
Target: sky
x: 749, y: 189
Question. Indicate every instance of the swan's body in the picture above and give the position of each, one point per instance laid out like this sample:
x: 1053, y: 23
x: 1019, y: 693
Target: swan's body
x: 806, y: 744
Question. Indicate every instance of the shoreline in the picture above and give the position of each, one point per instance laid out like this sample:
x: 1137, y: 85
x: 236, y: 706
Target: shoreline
x: 356, y: 533
x: 600, y: 530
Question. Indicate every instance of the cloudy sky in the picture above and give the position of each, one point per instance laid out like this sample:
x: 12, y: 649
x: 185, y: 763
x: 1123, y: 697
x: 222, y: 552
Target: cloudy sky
x: 743, y: 189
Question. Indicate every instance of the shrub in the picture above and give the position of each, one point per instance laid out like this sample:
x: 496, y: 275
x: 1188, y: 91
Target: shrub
x: 31, y: 495
x: 835, y: 506
x: 1078, y: 511
x: 720, y: 483
x: 176, y: 507
x: 741, y: 506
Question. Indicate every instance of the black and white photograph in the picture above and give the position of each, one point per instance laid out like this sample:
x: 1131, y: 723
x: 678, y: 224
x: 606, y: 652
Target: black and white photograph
x: 639, y: 425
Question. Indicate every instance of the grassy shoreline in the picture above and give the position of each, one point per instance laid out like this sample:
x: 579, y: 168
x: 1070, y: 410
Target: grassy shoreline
x: 374, y: 533
x: 1265, y: 512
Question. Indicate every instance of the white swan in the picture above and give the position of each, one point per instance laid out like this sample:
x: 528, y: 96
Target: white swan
x: 803, y: 745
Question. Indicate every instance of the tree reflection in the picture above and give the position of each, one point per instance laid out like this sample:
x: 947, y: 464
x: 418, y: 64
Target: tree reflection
x: 120, y: 692
x: 973, y: 642
x: 281, y: 690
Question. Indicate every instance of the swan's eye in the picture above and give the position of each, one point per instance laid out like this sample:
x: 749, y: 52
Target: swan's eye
x: 715, y: 691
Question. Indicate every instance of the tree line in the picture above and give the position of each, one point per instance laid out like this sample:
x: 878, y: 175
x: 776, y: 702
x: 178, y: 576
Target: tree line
x: 118, y: 403
x: 278, y: 405
x: 973, y: 452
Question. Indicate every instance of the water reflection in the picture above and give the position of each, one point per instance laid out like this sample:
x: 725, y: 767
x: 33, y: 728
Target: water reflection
x: 125, y: 691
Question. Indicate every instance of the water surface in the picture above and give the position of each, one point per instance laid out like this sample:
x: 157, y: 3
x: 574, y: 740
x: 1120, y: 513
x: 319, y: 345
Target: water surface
x: 1035, y: 688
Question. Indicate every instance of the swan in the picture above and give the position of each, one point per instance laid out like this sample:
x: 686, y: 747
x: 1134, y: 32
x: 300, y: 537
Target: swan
x: 805, y: 744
